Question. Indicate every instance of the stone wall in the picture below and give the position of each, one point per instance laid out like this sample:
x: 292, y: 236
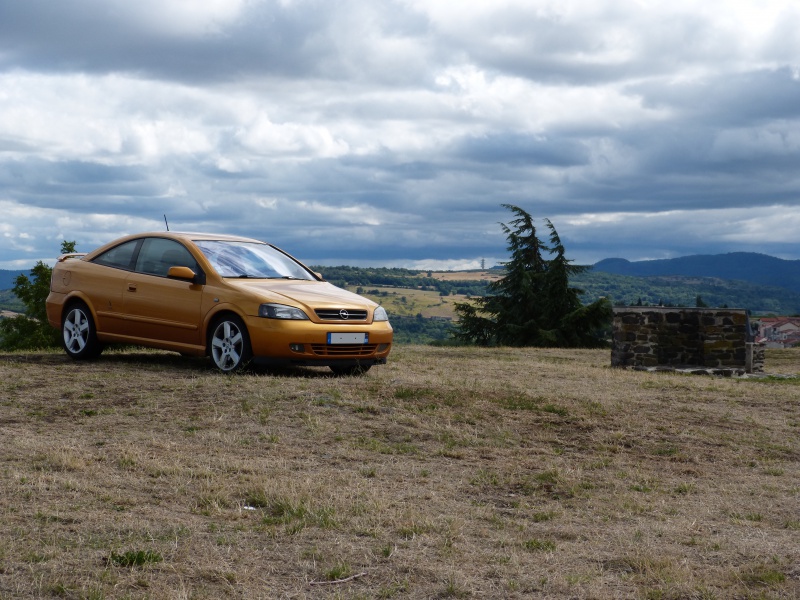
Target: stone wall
x: 657, y: 336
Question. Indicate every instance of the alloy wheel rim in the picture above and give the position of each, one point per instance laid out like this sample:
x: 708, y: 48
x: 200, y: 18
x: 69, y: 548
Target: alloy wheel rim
x: 226, y: 345
x: 76, y: 330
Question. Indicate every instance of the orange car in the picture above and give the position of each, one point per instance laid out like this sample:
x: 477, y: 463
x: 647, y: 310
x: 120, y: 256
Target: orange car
x: 234, y: 299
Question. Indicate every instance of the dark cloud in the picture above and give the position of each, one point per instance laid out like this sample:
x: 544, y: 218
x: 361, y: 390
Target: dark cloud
x: 294, y: 40
x: 750, y: 98
x: 394, y: 130
x: 518, y: 149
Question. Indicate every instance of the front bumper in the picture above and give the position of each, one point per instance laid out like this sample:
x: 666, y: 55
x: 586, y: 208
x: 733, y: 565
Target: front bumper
x: 275, y: 341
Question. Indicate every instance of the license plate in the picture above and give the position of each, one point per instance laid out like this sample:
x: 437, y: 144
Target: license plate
x: 348, y: 338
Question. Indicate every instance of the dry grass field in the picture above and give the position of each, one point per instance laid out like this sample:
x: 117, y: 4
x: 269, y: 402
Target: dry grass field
x: 448, y: 473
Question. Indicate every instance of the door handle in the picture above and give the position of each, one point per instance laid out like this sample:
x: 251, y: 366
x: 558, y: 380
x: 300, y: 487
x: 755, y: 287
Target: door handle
x: 131, y: 287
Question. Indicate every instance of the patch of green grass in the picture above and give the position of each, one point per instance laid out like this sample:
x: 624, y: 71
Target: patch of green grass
x: 451, y: 441
x: 34, y: 557
x: 539, y: 545
x: 486, y: 477
x: 409, y: 532
x: 665, y: 449
x: 555, y: 410
x: 595, y: 409
x: 453, y: 590
x: 392, y: 590
x: 410, y: 393
x: 547, y: 477
x: 762, y: 575
x: 135, y: 558
x: 684, y: 489
x: 541, y: 517
x: 752, y: 517
x: 295, y: 514
x: 339, y: 571
x: 644, y: 486
x: 126, y: 462
x: 521, y: 402
x: 774, y: 471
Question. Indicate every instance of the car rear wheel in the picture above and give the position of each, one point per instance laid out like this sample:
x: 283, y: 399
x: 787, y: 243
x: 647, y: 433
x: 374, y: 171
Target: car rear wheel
x: 229, y: 344
x: 79, y: 334
x: 350, y: 370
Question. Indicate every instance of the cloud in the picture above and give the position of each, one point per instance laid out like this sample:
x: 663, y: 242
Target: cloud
x: 394, y: 130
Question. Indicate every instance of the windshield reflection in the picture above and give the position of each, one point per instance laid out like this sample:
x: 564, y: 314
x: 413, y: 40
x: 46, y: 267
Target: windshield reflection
x: 250, y: 260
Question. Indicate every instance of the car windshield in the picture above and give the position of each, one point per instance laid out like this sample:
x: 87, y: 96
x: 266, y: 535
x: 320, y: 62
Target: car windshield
x: 251, y: 260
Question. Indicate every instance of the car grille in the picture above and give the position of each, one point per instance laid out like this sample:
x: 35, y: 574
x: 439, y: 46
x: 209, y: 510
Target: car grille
x: 341, y: 314
x: 344, y: 349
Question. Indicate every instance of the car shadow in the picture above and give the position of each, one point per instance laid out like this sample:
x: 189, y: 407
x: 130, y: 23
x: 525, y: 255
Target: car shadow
x: 160, y: 361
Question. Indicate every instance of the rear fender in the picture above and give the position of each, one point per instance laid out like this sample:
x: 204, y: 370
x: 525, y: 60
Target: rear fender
x: 77, y: 296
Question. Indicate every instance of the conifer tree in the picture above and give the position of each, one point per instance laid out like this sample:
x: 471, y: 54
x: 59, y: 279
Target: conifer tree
x: 533, y: 304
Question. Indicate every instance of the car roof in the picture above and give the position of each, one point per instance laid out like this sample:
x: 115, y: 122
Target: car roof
x: 208, y: 236
x: 174, y: 235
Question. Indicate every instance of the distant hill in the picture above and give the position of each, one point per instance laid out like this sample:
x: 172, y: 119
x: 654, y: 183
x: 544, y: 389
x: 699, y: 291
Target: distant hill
x: 678, y: 290
x: 752, y: 267
x: 7, y: 278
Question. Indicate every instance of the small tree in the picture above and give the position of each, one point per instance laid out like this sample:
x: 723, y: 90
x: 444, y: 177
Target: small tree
x: 31, y: 330
x: 533, y: 305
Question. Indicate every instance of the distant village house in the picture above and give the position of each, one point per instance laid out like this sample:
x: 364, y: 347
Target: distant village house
x: 777, y: 332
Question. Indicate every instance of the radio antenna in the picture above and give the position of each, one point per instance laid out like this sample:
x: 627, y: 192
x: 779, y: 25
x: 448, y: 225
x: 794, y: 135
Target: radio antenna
x: 165, y: 222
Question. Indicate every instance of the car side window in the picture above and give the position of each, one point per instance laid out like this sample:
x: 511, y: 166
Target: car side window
x: 158, y: 255
x: 120, y: 256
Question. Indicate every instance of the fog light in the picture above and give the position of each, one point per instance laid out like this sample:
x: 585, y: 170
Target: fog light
x: 382, y: 347
x: 296, y: 348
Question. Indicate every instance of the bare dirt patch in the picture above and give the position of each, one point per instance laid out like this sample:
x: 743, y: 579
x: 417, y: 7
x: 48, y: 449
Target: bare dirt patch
x: 449, y: 473
x: 468, y: 275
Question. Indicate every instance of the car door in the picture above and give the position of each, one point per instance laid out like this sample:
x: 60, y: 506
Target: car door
x: 103, y: 283
x: 157, y: 307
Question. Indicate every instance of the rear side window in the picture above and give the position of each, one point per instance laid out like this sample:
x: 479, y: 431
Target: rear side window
x: 120, y: 256
x: 158, y: 255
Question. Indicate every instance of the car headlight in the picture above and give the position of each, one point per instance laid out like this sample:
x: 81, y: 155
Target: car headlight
x: 380, y: 314
x: 281, y: 311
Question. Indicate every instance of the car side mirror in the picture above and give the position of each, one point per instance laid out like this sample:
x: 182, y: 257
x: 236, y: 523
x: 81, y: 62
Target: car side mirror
x: 181, y: 273
x: 319, y: 275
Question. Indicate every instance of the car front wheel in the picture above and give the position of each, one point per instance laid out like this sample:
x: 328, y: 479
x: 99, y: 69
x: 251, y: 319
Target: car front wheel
x: 229, y: 344
x: 79, y: 333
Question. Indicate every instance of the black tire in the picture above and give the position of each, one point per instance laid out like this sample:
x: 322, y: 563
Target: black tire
x: 229, y: 344
x: 78, y: 333
x: 350, y: 370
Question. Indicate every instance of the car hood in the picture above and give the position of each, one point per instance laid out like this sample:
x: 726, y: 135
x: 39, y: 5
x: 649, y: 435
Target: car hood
x: 312, y: 294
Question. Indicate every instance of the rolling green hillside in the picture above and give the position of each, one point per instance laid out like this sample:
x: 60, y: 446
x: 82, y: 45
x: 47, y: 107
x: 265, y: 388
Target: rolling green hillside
x: 8, y: 301
x: 683, y: 291
x: 421, y: 303
x: 426, y: 290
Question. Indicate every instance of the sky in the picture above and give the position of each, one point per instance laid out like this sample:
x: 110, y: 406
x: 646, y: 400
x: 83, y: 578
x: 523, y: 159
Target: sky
x: 391, y: 132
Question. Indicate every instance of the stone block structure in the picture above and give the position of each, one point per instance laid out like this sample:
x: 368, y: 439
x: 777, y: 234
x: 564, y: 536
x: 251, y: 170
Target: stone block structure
x: 651, y: 336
